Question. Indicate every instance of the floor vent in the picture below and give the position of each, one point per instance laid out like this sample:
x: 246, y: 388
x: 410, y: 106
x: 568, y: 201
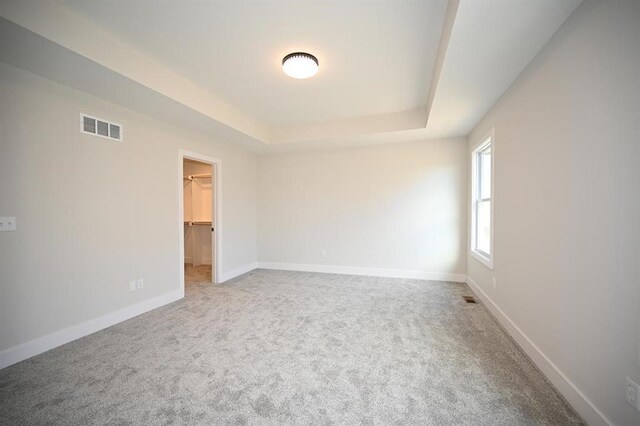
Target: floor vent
x: 469, y: 299
x: 99, y: 127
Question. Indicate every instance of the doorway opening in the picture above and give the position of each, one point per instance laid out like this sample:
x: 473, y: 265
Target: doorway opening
x: 199, y: 218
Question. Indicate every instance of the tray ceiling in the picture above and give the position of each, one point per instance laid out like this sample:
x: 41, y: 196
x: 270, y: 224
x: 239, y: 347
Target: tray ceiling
x: 390, y: 71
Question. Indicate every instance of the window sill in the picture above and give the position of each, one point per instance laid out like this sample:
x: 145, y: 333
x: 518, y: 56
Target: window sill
x: 488, y: 262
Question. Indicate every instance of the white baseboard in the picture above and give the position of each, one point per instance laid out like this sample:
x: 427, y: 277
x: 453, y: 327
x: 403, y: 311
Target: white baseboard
x: 583, y: 406
x: 42, y: 344
x: 374, y: 272
x: 226, y: 276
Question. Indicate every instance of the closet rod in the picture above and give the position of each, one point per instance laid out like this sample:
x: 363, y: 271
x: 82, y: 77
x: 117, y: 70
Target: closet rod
x: 192, y: 177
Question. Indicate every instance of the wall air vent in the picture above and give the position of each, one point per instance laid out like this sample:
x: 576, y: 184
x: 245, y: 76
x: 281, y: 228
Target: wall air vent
x: 99, y: 127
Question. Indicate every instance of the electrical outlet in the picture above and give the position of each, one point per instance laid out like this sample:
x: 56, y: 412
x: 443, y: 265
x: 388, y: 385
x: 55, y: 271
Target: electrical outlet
x: 323, y: 254
x: 140, y: 284
x: 632, y: 394
x: 495, y: 283
x: 7, y: 223
x: 132, y: 285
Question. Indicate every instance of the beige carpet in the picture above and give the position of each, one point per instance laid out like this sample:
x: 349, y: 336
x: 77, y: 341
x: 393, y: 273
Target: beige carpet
x: 200, y: 274
x: 275, y: 347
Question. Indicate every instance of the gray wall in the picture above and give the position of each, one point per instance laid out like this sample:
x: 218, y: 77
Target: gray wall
x: 93, y: 214
x: 567, y: 203
x: 394, y: 206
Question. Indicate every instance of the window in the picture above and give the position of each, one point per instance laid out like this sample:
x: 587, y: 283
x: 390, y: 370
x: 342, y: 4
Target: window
x: 482, y: 200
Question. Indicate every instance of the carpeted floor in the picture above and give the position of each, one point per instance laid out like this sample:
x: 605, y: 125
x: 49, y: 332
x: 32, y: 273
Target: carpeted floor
x: 275, y: 347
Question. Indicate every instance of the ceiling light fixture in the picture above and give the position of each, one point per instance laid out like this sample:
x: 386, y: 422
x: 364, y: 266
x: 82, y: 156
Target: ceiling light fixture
x: 300, y: 65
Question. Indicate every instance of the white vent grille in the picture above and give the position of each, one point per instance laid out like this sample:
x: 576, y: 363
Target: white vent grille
x: 99, y: 127
x: 114, y: 131
x: 89, y: 124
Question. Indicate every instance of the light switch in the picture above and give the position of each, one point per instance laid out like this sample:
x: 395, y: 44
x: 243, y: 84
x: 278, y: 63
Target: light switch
x: 7, y: 223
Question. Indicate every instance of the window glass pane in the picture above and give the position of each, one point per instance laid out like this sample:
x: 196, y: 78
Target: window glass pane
x: 483, y: 227
x: 484, y: 163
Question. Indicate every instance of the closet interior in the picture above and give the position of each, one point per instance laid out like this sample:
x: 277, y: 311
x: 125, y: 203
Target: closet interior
x: 199, y: 231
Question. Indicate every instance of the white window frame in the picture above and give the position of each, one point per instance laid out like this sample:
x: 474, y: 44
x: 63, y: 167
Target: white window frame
x: 484, y: 258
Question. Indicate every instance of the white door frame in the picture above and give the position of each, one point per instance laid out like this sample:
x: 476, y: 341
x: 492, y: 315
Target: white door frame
x: 216, y: 199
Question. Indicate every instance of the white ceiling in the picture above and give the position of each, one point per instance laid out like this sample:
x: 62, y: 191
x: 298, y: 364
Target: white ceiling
x: 390, y: 70
x: 496, y: 39
x: 376, y: 57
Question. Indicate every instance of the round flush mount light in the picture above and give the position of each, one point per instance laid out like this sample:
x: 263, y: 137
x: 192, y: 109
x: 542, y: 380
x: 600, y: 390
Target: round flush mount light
x: 300, y: 65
